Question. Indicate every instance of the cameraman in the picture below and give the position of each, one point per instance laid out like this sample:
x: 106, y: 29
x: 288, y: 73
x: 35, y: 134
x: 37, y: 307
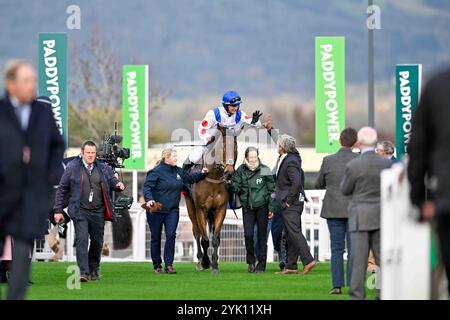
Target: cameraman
x: 87, y: 184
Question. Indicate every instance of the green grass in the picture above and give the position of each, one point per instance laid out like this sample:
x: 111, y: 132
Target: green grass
x: 130, y: 281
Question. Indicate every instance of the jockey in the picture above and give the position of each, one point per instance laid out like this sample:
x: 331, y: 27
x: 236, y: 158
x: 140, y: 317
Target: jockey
x: 230, y: 116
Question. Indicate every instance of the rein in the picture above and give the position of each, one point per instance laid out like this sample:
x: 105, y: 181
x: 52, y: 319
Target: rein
x: 222, y: 179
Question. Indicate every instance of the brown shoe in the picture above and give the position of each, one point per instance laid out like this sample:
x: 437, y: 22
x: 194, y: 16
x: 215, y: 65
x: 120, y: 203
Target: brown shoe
x: 288, y: 271
x: 158, y: 270
x: 309, y: 267
x: 84, y: 278
x: 105, y: 250
x: 170, y: 270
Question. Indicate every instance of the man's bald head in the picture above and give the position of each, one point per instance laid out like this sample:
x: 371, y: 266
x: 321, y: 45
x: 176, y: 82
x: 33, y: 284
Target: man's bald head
x: 367, y: 137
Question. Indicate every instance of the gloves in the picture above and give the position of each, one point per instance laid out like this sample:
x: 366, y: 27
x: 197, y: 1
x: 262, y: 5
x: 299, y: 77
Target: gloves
x: 256, y: 116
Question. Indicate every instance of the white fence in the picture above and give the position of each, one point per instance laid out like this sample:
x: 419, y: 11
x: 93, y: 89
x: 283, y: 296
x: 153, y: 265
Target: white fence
x: 405, y: 243
x: 232, y: 247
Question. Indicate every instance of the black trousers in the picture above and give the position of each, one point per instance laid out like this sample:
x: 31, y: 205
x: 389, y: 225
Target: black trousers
x: 296, y: 242
x: 89, y: 225
x: 260, y: 217
x: 443, y: 230
x: 20, y: 270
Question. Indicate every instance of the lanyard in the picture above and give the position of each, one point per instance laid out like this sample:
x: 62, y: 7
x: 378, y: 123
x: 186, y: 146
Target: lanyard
x: 91, y: 193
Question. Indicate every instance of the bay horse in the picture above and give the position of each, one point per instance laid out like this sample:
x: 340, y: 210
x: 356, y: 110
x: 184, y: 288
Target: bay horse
x: 207, y: 204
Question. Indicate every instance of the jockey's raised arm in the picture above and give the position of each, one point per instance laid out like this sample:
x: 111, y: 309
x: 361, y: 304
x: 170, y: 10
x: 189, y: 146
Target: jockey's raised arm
x: 247, y: 122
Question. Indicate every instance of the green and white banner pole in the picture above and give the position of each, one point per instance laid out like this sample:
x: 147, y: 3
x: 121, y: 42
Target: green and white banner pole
x: 330, y: 92
x: 408, y: 79
x: 135, y: 118
x: 52, y: 69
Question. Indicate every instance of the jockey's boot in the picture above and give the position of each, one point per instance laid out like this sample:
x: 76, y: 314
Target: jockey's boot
x: 187, y: 165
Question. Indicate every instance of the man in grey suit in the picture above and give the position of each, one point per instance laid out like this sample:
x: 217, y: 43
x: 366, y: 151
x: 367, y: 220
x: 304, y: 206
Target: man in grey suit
x: 362, y: 181
x: 334, y: 206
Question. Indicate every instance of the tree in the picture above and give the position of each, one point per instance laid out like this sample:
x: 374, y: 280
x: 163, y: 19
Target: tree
x: 96, y: 91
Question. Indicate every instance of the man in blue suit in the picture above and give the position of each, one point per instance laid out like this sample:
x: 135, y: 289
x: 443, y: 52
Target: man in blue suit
x: 32, y: 150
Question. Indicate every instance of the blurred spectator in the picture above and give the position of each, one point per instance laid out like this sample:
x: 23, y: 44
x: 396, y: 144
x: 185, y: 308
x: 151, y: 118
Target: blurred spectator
x: 429, y: 157
x: 28, y: 170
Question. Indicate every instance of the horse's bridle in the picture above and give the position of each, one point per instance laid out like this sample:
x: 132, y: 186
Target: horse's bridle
x: 220, y: 167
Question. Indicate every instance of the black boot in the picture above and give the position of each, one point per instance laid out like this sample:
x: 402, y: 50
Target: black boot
x: 187, y: 165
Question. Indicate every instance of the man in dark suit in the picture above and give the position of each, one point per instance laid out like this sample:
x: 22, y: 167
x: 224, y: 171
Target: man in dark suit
x: 87, y: 184
x: 334, y: 206
x: 290, y: 194
x: 362, y: 182
x: 429, y: 157
x: 29, y: 166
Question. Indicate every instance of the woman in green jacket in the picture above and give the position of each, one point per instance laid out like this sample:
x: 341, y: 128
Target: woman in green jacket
x: 254, y: 183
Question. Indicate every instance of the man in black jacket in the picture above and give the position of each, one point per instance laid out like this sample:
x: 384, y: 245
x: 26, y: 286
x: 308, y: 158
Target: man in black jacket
x: 289, y: 192
x: 32, y: 151
x: 87, y: 185
x: 429, y: 158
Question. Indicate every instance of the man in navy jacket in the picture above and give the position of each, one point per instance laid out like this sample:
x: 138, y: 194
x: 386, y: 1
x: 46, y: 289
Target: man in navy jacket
x: 87, y: 184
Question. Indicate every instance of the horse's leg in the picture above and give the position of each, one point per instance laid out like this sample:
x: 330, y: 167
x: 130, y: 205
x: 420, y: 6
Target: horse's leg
x: 219, y: 217
x: 192, y: 216
x: 201, y: 216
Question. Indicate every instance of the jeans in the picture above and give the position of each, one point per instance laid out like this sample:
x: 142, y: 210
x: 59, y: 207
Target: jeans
x: 279, y: 235
x: 170, y: 222
x: 338, y: 234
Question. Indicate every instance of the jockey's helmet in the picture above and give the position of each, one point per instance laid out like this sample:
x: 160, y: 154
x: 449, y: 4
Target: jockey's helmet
x: 231, y: 98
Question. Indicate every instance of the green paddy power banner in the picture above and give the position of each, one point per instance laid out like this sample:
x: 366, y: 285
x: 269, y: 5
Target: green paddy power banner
x: 408, y: 82
x: 330, y: 92
x: 135, y: 114
x: 52, y: 66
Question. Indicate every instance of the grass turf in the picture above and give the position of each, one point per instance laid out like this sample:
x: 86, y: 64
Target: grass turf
x: 136, y: 281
